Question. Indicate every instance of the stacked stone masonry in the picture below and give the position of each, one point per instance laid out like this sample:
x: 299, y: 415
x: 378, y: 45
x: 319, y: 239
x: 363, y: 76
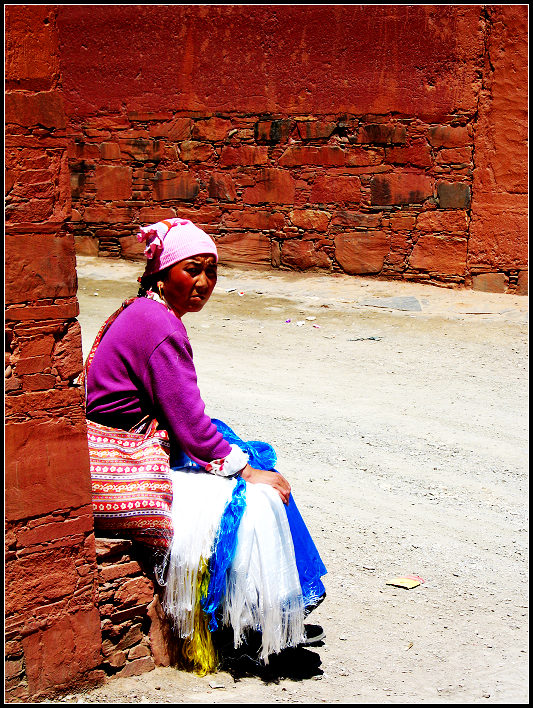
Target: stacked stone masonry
x: 368, y: 195
x: 134, y: 630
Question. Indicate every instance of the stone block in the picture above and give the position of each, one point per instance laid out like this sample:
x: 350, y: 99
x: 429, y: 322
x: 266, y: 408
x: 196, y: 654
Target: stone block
x: 38, y: 579
x: 437, y: 221
x: 80, y: 150
x: 356, y: 219
x: 244, y: 155
x: 138, y: 652
x: 400, y: 188
x: 107, y: 215
x: 134, y: 592
x: 442, y: 255
x: 169, y: 185
x: 67, y: 353
x: 151, y: 214
x: 136, y: 667
x: 65, y: 309
x: 315, y: 129
x: 176, y: 130
x: 204, y: 216
x: 62, y: 652
x: 38, y: 382
x: 56, y: 530
x: 38, y: 346
x: 213, y: 129
x: 221, y: 187
x: 489, y: 282
x: 108, y: 548
x: 131, y: 249
x: 67, y: 401
x: 272, y: 131
x: 58, y: 450
x: 142, y: 149
x: 132, y: 636
x: 195, y: 151
x: 329, y: 189
x: 357, y: 156
x: 310, y: 219
x: 382, y: 134
x: 85, y: 245
x: 109, y: 573
x: 272, y: 186
x: 116, y: 658
x: 113, y: 182
x: 32, y: 365
x: 447, y: 136
x: 455, y: 156
x: 416, y: 154
x: 402, y: 222
x: 324, y: 155
x: 244, y: 248
x: 31, y: 109
x: 258, y: 219
x: 303, y: 255
x: 109, y: 151
x: 453, y: 195
x: 359, y: 252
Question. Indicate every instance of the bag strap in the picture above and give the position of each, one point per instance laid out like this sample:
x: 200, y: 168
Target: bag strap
x: 103, y: 329
x: 83, y: 376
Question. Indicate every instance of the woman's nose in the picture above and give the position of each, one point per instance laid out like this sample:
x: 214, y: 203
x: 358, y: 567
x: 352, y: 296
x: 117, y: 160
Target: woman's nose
x: 202, y: 282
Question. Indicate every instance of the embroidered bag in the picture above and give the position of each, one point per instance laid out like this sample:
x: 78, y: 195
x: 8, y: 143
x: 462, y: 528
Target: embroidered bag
x: 130, y: 473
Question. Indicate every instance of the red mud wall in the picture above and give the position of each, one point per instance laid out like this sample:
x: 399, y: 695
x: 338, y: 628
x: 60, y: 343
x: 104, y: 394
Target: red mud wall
x: 376, y: 140
x: 52, y: 625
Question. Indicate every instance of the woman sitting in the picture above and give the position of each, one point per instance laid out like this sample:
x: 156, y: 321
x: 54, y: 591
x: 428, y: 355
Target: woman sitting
x: 239, y: 554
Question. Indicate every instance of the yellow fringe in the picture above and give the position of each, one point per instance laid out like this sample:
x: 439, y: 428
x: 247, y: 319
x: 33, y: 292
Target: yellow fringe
x: 198, y: 652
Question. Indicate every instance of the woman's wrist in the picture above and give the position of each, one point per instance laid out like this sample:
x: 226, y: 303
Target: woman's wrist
x: 246, y: 472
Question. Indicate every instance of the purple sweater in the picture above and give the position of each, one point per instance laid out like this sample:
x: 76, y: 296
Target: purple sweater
x: 144, y: 365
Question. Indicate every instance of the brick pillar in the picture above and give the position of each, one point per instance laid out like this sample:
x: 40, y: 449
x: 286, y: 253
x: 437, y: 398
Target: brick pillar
x: 52, y: 624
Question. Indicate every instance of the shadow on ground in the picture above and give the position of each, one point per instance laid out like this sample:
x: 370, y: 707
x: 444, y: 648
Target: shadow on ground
x: 296, y: 664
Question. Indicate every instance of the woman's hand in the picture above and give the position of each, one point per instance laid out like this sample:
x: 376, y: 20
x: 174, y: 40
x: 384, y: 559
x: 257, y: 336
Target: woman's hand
x: 274, y: 479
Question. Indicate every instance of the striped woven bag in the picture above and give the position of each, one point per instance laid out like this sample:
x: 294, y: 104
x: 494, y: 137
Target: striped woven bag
x: 130, y: 473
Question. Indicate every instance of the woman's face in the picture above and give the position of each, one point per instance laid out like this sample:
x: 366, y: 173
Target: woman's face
x: 188, y: 285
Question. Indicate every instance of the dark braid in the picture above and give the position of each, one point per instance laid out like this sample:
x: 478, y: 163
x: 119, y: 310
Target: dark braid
x: 149, y: 282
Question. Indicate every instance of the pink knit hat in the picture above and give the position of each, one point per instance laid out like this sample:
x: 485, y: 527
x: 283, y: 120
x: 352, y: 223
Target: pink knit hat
x: 172, y: 240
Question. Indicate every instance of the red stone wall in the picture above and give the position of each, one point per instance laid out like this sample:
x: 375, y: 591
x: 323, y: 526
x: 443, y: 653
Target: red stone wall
x: 360, y: 139
x: 52, y: 625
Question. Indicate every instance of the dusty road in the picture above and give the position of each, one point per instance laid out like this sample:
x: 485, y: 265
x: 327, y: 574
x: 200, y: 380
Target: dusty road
x: 399, y: 415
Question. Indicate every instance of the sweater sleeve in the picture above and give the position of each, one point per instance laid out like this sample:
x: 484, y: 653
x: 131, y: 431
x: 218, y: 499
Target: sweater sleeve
x: 170, y: 381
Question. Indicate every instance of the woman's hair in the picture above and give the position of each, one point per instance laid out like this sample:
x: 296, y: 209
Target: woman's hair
x: 149, y: 282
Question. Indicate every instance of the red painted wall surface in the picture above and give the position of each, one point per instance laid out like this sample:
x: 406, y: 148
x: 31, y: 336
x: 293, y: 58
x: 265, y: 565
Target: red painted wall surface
x: 363, y: 139
x: 292, y: 59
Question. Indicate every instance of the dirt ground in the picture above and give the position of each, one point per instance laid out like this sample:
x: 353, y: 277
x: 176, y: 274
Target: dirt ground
x: 399, y: 415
